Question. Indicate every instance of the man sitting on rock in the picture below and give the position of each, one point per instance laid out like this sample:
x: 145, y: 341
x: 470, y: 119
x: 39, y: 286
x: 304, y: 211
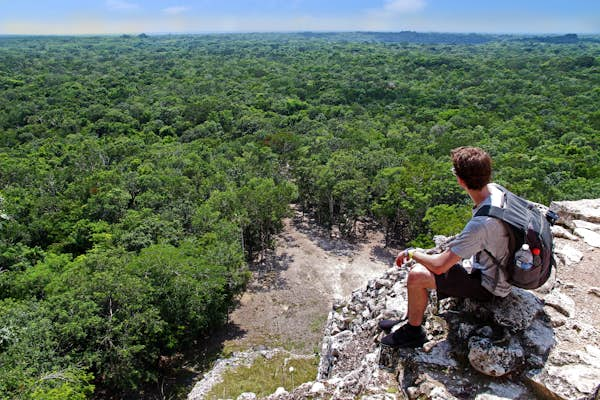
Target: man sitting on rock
x: 465, y: 269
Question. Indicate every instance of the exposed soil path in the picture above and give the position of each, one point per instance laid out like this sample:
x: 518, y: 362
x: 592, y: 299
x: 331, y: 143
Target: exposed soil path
x: 291, y: 292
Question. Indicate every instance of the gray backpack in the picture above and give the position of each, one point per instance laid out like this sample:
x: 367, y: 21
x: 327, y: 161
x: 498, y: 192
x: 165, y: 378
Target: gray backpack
x: 527, y: 223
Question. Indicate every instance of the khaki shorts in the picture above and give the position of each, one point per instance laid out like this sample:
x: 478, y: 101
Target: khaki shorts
x: 458, y: 282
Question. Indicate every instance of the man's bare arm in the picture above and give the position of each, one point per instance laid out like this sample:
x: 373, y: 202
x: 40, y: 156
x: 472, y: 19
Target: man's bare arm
x: 436, y: 263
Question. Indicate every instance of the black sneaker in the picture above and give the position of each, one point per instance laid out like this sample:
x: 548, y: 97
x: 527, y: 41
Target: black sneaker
x: 406, y: 336
x: 387, y: 324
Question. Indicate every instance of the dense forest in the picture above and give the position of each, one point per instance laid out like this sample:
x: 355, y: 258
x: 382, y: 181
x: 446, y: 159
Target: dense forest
x: 140, y: 175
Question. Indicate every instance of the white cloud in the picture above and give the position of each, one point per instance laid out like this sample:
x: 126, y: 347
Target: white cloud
x: 393, y: 15
x: 404, y: 6
x: 175, y: 10
x: 121, y: 5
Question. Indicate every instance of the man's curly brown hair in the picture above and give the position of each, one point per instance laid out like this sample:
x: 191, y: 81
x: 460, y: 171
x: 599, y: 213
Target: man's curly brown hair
x: 473, y: 165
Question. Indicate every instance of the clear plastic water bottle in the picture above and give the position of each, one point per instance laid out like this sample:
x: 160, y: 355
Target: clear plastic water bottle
x: 524, y: 258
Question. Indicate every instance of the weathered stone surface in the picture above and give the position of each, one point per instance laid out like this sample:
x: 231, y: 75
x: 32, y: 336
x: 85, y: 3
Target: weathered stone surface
x: 440, y: 355
x: 381, y: 396
x: 388, y: 358
x: 247, y: 396
x: 339, y: 342
x: 569, y: 375
x: 465, y: 330
x: 540, y: 337
x: 586, y: 225
x: 399, y: 289
x: 508, y: 391
x: 397, y: 305
x: 517, y: 310
x: 549, y: 285
x: 561, y: 303
x: 568, y: 255
x: 590, y: 237
x: 559, y: 231
x: 493, y: 359
x: 587, y: 210
x: 317, y: 387
x: 430, y: 389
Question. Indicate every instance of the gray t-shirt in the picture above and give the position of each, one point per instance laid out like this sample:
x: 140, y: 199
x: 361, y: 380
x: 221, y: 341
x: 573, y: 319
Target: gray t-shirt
x: 485, y: 233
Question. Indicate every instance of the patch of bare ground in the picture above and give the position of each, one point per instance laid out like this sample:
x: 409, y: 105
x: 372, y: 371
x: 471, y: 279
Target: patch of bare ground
x: 292, y: 289
x: 581, y: 282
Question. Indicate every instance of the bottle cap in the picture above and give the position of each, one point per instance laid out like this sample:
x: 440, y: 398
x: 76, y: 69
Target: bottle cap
x: 525, y: 247
x: 536, y: 252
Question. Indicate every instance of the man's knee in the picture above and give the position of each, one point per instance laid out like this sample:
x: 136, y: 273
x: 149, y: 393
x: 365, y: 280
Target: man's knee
x: 421, y: 277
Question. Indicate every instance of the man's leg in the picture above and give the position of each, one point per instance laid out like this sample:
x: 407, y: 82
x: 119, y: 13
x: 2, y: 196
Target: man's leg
x: 420, y: 279
x: 412, y: 334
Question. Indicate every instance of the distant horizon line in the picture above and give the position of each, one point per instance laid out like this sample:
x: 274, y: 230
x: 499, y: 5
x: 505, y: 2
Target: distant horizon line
x: 294, y: 32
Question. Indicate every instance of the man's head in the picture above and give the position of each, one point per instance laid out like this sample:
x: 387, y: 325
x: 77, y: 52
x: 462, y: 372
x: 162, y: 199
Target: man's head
x: 473, y: 166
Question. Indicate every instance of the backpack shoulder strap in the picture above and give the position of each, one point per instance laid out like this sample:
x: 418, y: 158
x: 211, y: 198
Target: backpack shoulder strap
x: 502, y: 213
x: 513, y: 210
x: 498, y: 266
x: 490, y: 211
x: 494, y: 211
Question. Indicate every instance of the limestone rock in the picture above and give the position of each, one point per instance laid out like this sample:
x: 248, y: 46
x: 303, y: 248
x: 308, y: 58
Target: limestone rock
x: 561, y: 303
x: 326, y: 361
x: 440, y: 355
x: 339, y: 342
x: 381, y: 396
x: 247, y: 396
x: 540, y: 337
x: 590, y: 237
x: 492, y: 359
x: 429, y: 388
x: 506, y: 391
x: 587, y: 210
x: 379, y: 283
x: 465, y: 330
x: 517, y: 310
x: 559, y: 231
x: 317, y: 387
x: 568, y: 255
x: 280, y: 391
x: 397, y: 305
x: 586, y: 225
x: 556, y: 319
x: 514, y: 312
x: 568, y: 375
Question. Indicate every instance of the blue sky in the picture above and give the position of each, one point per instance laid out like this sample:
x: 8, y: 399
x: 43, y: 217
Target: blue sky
x: 162, y: 16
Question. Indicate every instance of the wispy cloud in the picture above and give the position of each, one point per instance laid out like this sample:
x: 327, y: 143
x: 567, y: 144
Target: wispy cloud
x: 175, y: 10
x: 121, y: 5
x: 393, y: 15
x: 404, y: 6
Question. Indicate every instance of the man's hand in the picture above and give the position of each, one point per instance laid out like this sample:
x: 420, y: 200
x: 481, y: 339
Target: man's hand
x: 404, y: 256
